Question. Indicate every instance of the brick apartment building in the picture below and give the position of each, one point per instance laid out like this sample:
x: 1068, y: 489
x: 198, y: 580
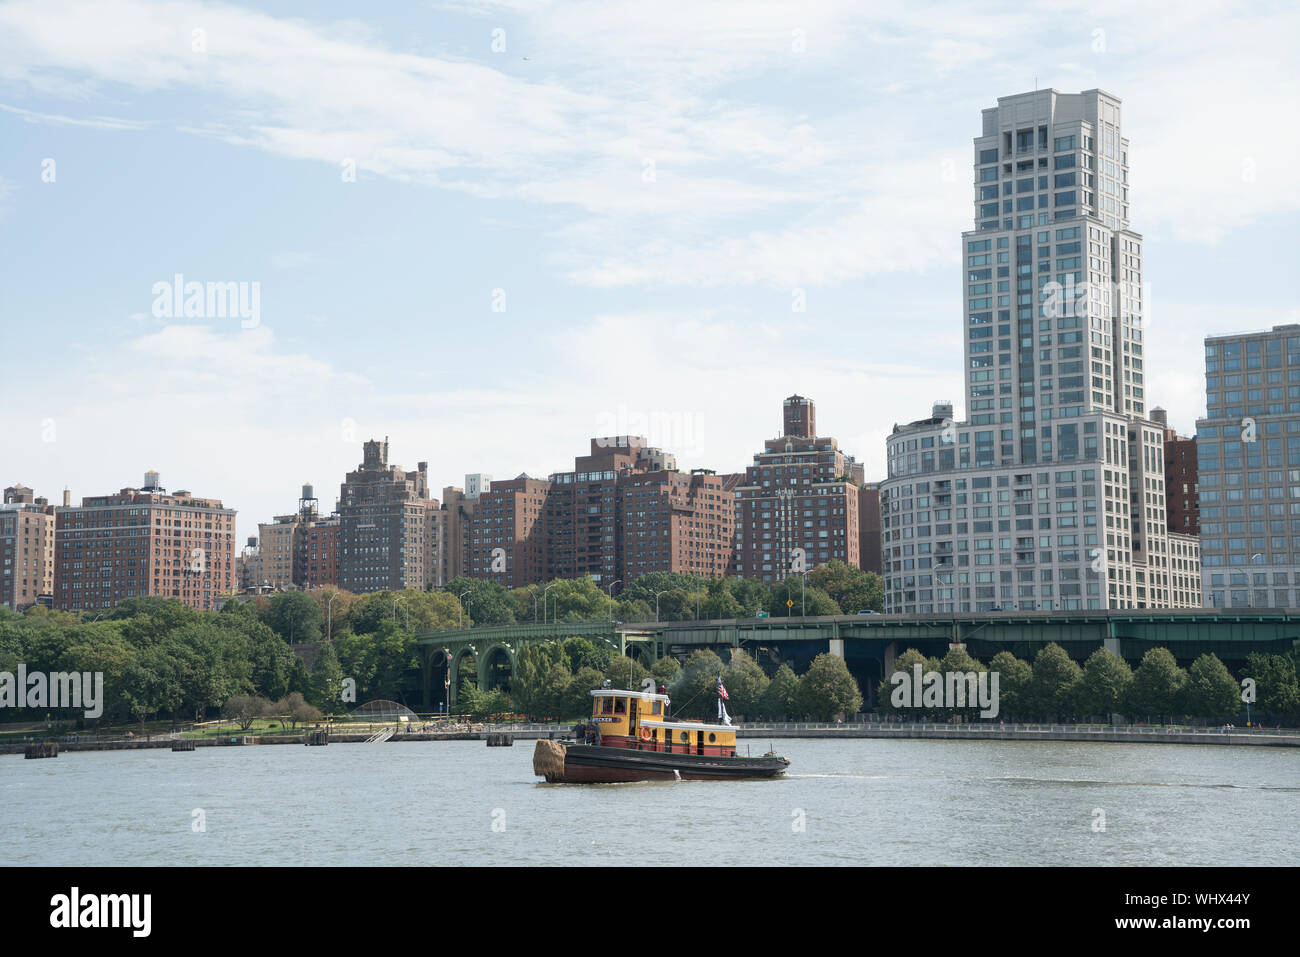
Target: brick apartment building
x: 1182, y: 493
x: 452, y: 522
x: 797, y: 495
x: 26, y: 549
x: 622, y: 512
x: 387, y: 525
x: 673, y: 522
x: 145, y: 541
x: 507, y: 534
x: 869, y: 528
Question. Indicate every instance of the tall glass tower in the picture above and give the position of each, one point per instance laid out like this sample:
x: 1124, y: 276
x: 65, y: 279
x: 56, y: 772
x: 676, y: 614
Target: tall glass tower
x: 1050, y: 496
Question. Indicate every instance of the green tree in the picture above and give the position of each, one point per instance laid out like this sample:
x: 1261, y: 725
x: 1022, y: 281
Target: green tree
x: 488, y: 602
x: 694, y: 693
x: 1106, y: 680
x: 905, y: 665
x: 827, y: 689
x: 745, y: 683
x: 244, y: 709
x: 809, y: 598
x: 850, y: 587
x: 750, y: 594
x: 1157, y: 686
x: 959, y: 661
x: 295, y: 617
x: 327, y: 681
x: 532, y: 665
x: 553, y: 698
x: 1055, y: 686
x: 1014, y: 678
x: 666, y: 670
x: 1210, y: 690
x: 294, y: 709
x: 720, y: 601
x: 1277, y: 691
x: 780, y: 698
x: 577, y: 701
x: 625, y: 673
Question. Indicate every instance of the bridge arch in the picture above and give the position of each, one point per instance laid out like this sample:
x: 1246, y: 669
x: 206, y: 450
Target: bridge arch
x: 496, y: 666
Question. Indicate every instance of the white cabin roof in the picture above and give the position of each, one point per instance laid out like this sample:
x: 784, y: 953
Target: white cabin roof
x: 620, y: 693
x: 686, y: 725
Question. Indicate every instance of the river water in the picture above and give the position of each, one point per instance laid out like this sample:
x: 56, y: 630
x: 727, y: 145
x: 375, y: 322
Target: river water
x: 873, y: 802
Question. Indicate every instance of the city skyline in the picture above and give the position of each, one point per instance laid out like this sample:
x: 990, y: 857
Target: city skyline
x: 652, y: 275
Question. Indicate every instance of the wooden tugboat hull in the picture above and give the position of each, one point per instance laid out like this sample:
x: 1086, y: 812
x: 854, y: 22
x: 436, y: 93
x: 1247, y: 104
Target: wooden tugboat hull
x: 593, y: 764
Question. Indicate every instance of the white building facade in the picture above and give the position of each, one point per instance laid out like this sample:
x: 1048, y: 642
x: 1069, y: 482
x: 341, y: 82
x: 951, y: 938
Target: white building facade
x: 1050, y: 496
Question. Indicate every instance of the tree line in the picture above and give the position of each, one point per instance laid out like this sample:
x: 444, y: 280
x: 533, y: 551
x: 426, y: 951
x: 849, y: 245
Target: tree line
x: 555, y: 680
x: 1055, y: 688
x: 160, y: 657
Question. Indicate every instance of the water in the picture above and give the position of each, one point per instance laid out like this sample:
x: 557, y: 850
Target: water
x: 873, y: 802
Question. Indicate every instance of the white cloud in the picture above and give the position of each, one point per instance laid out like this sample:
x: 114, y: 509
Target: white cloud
x: 690, y: 86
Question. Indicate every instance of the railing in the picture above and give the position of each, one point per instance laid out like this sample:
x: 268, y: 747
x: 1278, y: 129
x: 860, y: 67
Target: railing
x: 986, y: 727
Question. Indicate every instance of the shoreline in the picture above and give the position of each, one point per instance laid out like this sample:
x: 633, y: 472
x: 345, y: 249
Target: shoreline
x: 942, y: 732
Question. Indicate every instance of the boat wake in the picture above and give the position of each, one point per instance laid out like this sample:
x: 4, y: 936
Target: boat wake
x: 846, y: 777
x: 1146, y: 784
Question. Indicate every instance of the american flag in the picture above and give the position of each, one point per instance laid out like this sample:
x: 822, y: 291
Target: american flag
x: 722, y: 691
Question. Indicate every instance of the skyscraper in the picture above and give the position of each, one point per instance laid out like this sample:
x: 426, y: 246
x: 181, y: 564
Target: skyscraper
x: 1051, y: 494
x: 796, y: 507
x: 1248, y: 449
x: 386, y: 525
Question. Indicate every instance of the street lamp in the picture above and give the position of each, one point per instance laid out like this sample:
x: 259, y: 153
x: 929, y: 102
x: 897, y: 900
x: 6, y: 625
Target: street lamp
x: 544, y: 591
x: 405, y: 613
x: 462, y: 608
x: 657, y: 594
x: 610, y: 589
x: 329, y: 617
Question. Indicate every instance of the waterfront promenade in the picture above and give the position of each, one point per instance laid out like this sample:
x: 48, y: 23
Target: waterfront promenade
x: 754, y: 731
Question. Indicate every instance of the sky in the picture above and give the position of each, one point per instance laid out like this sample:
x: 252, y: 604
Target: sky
x: 491, y: 231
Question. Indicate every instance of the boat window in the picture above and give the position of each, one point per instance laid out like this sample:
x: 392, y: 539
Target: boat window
x: 620, y: 705
x: 685, y: 736
x: 655, y: 710
x: 712, y: 737
x: 606, y: 705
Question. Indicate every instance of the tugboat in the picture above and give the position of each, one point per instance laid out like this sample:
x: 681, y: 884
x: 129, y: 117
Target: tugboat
x: 632, y: 738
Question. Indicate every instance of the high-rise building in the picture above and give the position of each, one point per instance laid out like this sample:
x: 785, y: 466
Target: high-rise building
x: 1248, y: 460
x: 452, y: 522
x: 584, y: 534
x: 624, y: 511
x: 1182, y: 486
x: 508, y: 533
x: 144, y: 541
x: 674, y: 522
x: 317, y: 552
x: 387, y: 527
x: 796, y: 507
x: 300, y: 550
x: 1052, y: 493
x: 275, y: 552
x: 869, y: 527
x: 26, y: 549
